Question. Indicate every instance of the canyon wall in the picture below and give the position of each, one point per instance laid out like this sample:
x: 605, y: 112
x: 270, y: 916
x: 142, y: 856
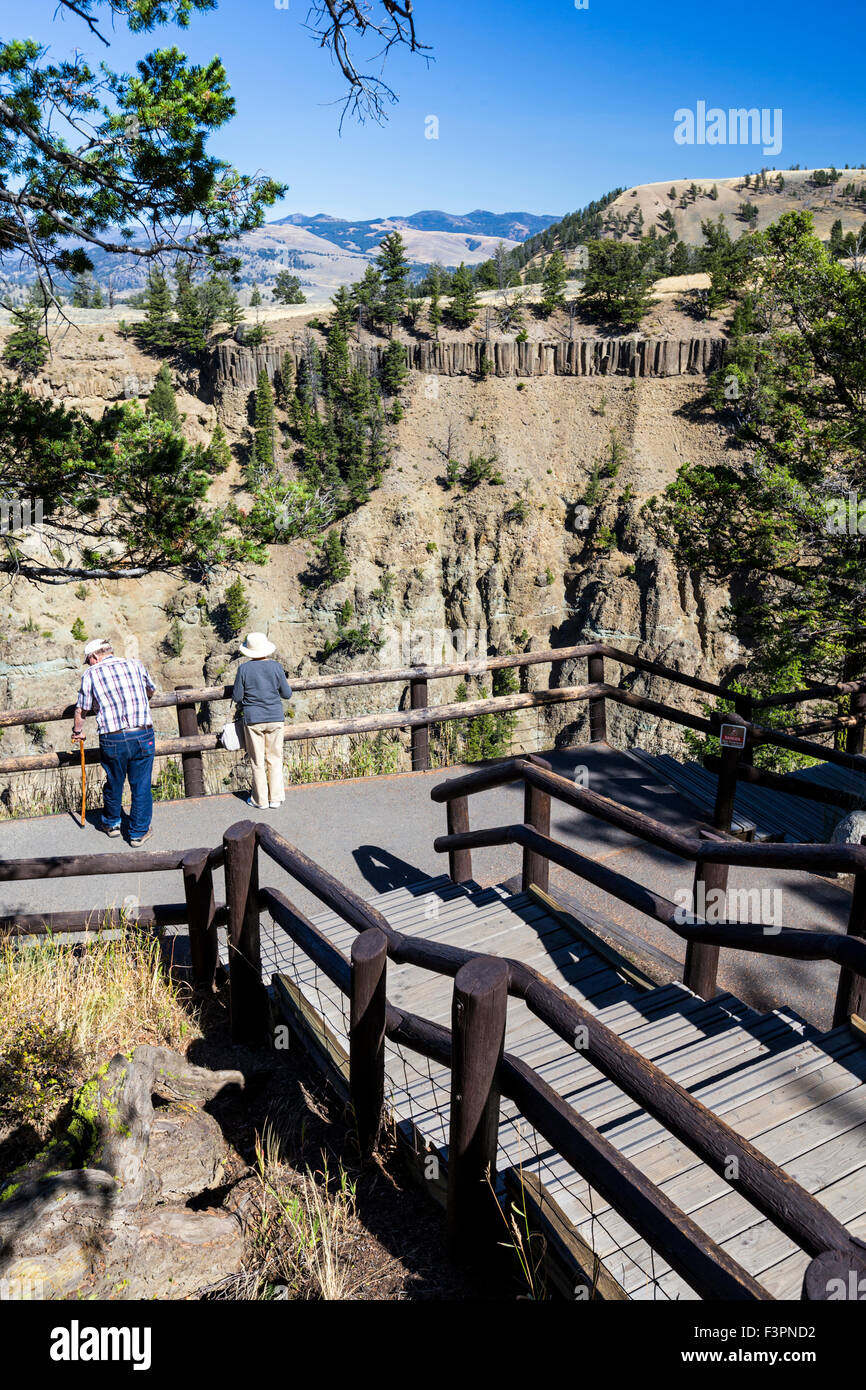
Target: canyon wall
x: 236, y: 368
x: 509, y: 563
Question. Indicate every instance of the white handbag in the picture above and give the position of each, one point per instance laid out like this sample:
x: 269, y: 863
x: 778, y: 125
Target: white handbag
x: 232, y: 736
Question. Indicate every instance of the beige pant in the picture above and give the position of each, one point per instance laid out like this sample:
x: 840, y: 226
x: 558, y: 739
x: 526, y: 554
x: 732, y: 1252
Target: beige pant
x: 265, y: 748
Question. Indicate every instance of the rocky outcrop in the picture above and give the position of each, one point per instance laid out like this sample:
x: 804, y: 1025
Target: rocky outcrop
x: 102, y: 1212
x: 235, y: 366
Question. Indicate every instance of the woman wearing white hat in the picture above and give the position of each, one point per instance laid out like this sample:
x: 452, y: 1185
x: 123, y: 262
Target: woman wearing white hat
x: 260, y: 688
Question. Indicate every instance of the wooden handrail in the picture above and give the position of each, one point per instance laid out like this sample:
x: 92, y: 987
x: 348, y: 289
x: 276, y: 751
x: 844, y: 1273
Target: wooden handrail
x: 551, y: 655
x: 761, y: 1181
x: 91, y: 865
x: 794, y: 943
x: 94, y: 919
x: 815, y: 692
x: 331, y: 728
x: 820, y: 858
x: 688, y: 1250
x: 713, y: 854
x: 190, y: 746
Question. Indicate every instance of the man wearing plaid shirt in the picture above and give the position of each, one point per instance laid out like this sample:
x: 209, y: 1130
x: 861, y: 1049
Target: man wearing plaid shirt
x: 118, y: 690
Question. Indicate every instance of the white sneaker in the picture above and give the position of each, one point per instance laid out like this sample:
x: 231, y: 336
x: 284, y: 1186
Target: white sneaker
x: 250, y: 802
x: 274, y: 804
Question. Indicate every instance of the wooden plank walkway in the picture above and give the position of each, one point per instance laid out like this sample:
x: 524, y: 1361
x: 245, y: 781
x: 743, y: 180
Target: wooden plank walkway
x: 799, y: 1095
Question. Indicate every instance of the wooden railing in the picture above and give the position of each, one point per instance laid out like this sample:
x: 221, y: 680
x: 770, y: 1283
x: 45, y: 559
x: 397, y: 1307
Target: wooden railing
x: 712, y: 852
x: 418, y: 717
x: 481, y: 1070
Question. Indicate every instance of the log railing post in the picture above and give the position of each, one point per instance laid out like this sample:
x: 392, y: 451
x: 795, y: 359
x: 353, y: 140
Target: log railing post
x: 478, y: 1022
x: 201, y: 913
x: 459, y: 860
x: 701, y: 967
x: 367, y: 1036
x: 536, y: 812
x: 193, y: 764
x: 248, y: 997
x: 597, y: 706
x: 851, y: 994
x: 837, y: 1276
x: 420, y: 732
x: 854, y: 742
x: 723, y: 813
x: 745, y: 707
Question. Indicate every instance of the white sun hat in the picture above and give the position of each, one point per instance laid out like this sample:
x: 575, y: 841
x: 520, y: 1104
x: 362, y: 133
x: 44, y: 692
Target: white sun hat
x: 257, y: 644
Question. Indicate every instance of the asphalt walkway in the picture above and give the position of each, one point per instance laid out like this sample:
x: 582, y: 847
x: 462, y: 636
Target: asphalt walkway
x: 376, y: 834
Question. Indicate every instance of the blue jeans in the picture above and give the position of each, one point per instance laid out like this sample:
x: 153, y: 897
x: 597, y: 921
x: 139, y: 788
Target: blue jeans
x: 128, y: 754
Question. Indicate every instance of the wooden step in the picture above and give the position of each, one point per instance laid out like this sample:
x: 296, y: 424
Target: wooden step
x: 800, y: 1096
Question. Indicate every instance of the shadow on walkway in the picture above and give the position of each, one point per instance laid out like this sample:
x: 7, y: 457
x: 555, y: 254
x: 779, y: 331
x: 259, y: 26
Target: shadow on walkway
x: 385, y: 871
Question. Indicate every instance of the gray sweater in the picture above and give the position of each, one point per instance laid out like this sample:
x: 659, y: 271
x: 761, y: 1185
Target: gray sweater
x: 260, y: 688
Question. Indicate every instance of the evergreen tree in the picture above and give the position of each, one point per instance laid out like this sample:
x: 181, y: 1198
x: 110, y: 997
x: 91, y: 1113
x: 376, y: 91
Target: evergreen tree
x: 81, y: 291
x: 86, y: 293
x: 394, y: 368
x: 367, y: 294
x: 218, y: 454
x: 774, y: 524
x: 680, y: 263
x: 343, y: 316
x: 464, y: 303
x: 190, y: 309
x: 617, y: 283
x: 391, y: 260
x: 837, y: 240
x: 553, y: 282
x: 394, y: 268
x: 156, y: 331
x: 333, y: 565
x: 39, y: 295
x: 162, y: 402
x: 338, y: 418
x: 726, y: 260
x: 414, y: 306
x: 131, y: 471
x: 212, y: 302
x: 263, y: 427
x: 434, y: 313
x: 237, y: 607
x: 287, y: 289
x: 26, y: 349
x: 255, y: 297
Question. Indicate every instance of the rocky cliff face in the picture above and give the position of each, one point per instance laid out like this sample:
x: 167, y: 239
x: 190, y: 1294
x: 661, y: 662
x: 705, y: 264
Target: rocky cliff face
x: 525, y: 563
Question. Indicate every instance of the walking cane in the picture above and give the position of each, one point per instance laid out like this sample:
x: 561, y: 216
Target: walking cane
x: 83, y: 782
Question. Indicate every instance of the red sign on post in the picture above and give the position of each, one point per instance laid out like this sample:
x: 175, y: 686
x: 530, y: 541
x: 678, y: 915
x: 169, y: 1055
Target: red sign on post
x: 732, y: 736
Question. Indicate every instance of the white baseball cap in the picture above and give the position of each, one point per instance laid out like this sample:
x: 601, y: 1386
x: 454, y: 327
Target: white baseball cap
x: 98, y: 644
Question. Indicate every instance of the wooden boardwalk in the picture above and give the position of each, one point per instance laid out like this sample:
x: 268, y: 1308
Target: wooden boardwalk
x: 797, y: 1094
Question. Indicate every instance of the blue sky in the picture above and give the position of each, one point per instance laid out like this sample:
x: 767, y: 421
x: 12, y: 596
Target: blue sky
x: 541, y: 106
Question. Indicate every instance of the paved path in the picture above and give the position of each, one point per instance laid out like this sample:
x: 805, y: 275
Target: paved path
x: 376, y: 834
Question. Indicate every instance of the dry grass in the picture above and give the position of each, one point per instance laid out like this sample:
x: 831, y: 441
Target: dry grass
x: 64, y: 1009
x: 304, y: 1229
x: 51, y: 793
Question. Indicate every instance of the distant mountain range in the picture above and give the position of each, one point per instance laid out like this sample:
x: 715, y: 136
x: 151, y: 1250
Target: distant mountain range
x: 326, y: 252
x: 361, y: 236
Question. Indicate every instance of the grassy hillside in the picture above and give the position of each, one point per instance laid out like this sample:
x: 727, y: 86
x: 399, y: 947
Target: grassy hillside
x: 632, y: 212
